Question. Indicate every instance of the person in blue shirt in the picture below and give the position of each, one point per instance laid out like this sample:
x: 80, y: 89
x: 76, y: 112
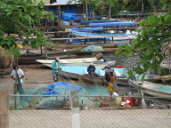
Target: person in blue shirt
x: 55, y: 69
x: 91, y: 71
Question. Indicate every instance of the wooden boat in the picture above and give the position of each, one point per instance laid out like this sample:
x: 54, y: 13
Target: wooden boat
x: 78, y: 72
x: 87, y: 80
x: 155, y: 89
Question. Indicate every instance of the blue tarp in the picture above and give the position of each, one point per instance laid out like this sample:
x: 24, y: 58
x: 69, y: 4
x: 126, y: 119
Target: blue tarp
x: 71, y: 16
x: 114, y: 24
x: 68, y: 12
x: 53, y: 89
x: 88, y: 29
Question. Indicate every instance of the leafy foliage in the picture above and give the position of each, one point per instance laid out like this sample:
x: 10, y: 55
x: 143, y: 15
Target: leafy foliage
x: 18, y: 21
x: 101, y: 7
x: 112, y: 7
x: 141, y: 5
x: 155, y: 32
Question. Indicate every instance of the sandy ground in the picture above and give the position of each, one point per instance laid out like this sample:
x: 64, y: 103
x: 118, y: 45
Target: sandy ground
x: 34, y: 75
x: 146, y: 118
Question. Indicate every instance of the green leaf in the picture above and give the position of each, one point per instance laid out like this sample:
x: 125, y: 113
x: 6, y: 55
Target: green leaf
x: 167, y: 19
x: 152, y: 20
x: 14, y: 52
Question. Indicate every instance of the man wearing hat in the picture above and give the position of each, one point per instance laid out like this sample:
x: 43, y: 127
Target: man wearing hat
x: 110, y: 77
x: 55, y: 69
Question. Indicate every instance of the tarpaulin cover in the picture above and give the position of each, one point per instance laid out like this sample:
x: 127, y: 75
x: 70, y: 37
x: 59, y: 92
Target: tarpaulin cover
x: 64, y: 84
x: 70, y: 16
x: 114, y: 24
x: 54, y: 89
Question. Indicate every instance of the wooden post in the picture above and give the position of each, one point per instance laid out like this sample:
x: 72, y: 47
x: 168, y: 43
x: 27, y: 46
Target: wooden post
x: 41, y: 49
x: 4, y: 121
x: 75, y: 109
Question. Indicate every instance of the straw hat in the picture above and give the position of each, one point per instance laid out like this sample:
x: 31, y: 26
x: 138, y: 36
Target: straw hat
x: 99, y: 56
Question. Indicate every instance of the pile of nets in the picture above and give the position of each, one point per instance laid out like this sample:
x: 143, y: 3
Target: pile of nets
x: 57, y: 96
x: 45, y: 96
x: 93, y: 48
x: 27, y: 101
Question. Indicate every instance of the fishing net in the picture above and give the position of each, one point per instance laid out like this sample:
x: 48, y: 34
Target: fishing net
x: 92, y: 48
x: 50, y: 96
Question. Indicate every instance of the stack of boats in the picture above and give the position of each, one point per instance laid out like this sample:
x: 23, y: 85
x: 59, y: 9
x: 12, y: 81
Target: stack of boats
x: 105, y: 30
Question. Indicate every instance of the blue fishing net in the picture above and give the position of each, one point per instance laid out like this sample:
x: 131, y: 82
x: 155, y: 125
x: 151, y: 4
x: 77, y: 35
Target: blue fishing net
x: 46, y: 101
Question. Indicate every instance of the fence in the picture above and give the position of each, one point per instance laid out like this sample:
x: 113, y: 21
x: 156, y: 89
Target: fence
x: 84, y: 102
x: 87, y: 112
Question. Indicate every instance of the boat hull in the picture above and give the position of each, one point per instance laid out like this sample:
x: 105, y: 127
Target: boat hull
x: 86, y: 80
x: 156, y: 94
x: 153, y: 89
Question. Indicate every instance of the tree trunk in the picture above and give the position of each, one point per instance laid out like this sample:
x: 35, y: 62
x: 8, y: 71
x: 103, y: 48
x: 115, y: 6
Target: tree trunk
x: 110, y: 12
x: 86, y: 7
x: 59, y: 16
x: 142, y: 6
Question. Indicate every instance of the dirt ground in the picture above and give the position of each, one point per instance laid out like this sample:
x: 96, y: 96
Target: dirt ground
x: 34, y: 75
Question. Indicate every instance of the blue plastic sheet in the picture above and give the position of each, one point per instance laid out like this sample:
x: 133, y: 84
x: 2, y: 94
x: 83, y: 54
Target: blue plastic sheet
x: 64, y: 84
x: 54, y: 89
x: 71, y: 16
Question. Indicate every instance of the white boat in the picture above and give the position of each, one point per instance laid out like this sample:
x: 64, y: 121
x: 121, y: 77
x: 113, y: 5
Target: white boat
x: 69, y: 61
x: 155, y: 89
